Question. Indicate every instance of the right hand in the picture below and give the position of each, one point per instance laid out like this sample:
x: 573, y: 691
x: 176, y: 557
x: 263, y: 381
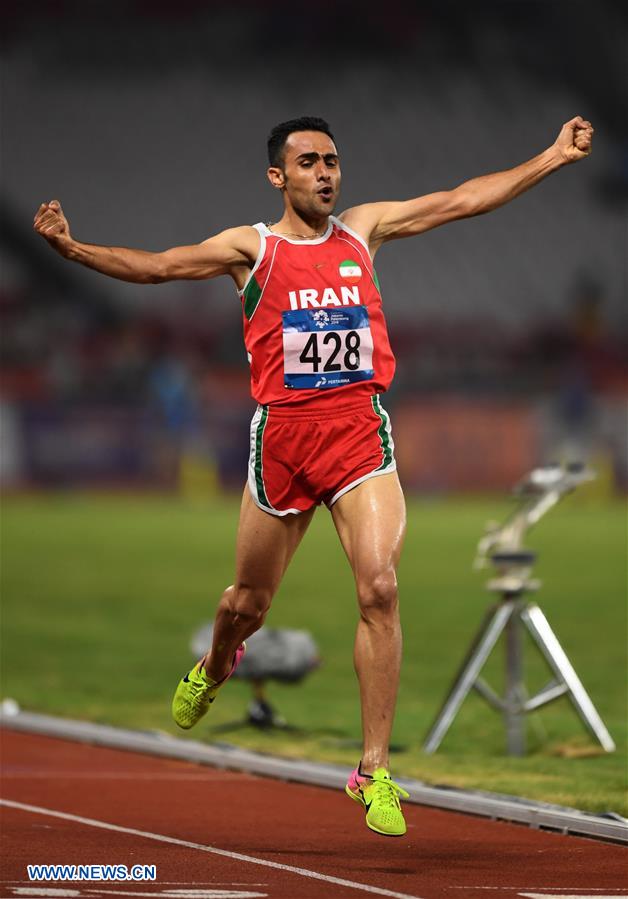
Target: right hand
x: 51, y: 223
x: 574, y: 140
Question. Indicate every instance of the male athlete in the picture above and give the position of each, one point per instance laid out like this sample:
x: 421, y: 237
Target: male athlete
x: 320, y: 358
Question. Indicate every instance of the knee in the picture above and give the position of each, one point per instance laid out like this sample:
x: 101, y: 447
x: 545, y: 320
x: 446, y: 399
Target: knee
x: 378, y: 596
x: 246, y: 604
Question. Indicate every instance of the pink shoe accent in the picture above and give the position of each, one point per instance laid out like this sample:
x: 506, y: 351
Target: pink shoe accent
x: 356, y: 780
x: 239, y: 653
x: 236, y: 661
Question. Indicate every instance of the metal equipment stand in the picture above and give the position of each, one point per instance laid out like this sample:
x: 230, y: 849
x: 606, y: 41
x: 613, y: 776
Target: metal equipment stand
x: 539, y: 491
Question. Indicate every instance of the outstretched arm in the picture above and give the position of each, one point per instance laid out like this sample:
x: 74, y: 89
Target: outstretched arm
x: 226, y: 253
x: 380, y: 222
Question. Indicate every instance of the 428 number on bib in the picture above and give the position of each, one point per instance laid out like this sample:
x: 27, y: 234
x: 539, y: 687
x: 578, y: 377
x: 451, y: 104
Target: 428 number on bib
x: 346, y: 343
x: 325, y: 348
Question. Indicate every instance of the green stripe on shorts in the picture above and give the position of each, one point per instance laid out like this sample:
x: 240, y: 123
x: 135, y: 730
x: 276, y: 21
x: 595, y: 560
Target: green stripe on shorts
x: 383, y: 432
x: 259, y: 481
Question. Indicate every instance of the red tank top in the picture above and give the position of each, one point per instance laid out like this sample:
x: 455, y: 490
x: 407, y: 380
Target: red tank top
x: 314, y: 328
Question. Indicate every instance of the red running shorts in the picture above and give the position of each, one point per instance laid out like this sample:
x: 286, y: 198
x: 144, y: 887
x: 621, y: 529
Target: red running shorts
x: 300, y: 459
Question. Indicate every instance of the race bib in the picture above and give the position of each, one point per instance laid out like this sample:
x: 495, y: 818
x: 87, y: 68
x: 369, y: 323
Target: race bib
x: 326, y: 347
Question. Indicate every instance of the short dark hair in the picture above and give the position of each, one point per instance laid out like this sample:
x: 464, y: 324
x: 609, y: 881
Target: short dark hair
x: 280, y: 133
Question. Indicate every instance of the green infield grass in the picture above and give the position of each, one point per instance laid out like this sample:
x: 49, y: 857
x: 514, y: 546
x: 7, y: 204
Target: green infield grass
x: 101, y: 594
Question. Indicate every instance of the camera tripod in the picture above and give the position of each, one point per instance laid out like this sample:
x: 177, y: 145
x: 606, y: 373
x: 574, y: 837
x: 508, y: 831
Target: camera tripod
x: 541, y: 489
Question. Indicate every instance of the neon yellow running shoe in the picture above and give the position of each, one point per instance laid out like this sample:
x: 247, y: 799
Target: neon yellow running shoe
x: 379, y: 795
x: 197, y: 691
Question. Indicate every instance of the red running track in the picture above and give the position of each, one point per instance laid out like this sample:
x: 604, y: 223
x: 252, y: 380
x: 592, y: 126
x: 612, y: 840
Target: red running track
x: 221, y: 835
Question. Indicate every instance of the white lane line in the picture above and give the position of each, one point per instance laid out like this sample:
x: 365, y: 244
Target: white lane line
x: 44, y: 774
x: 53, y: 893
x: 44, y: 891
x: 170, y: 888
x: 186, y: 894
x: 303, y: 872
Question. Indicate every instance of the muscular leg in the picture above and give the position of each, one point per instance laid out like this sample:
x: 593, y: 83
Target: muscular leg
x: 371, y: 523
x: 265, y: 544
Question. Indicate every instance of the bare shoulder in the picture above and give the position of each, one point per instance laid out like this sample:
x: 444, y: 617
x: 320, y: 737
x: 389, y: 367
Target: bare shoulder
x: 361, y: 218
x: 364, y: 220
x: 243, y: 242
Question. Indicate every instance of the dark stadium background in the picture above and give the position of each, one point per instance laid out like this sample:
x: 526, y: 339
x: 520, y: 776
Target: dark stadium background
x: 148, y: 121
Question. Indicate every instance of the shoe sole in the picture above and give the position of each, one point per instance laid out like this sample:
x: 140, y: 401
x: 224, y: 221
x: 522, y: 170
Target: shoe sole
x: 353, y: 796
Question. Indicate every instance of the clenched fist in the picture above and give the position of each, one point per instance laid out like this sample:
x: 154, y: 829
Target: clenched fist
x: 574, y: 140
x: 51, y: 223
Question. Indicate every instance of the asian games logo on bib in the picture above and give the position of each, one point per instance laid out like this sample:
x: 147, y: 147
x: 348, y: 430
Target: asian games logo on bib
x: 350, y: 271
x: 320, y: 318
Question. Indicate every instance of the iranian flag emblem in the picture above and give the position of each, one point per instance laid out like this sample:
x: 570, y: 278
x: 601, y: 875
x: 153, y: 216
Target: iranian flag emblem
x: 350, y: 271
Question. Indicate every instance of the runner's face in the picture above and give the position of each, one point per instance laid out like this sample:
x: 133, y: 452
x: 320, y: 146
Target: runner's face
x: 311, y: 173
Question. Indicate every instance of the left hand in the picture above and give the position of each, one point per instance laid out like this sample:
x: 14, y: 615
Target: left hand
x: 574, y: 140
